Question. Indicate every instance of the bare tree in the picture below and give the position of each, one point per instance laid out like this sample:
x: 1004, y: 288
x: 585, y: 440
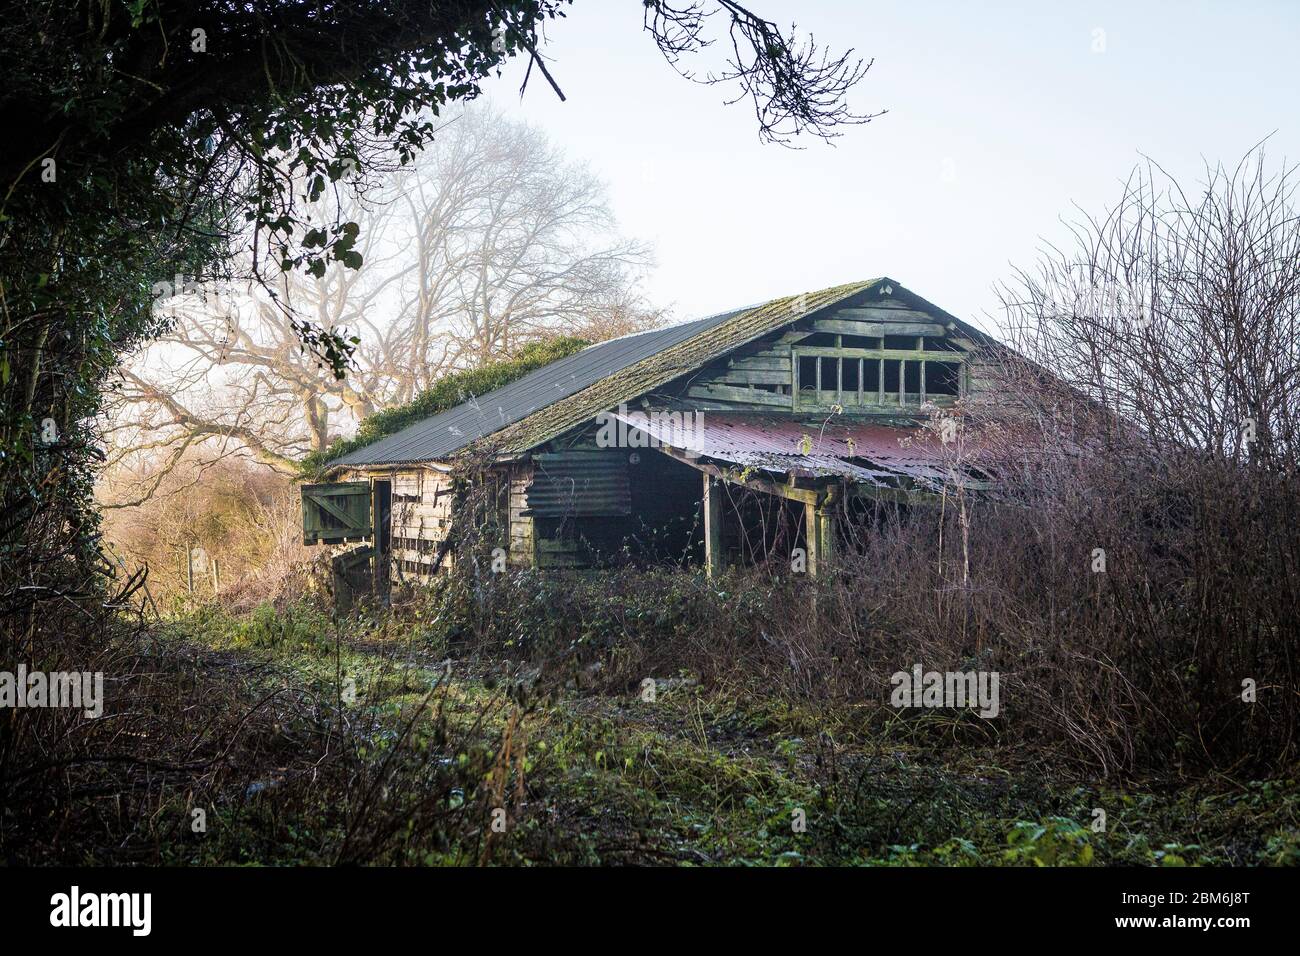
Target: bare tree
x: 509, y: 242
x: 1178, y: 313
x: 1153, y: 541
x: 794, y: 86
x: 489, y: 241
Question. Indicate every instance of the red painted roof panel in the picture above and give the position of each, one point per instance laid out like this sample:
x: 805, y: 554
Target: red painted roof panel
x: 870, y: 453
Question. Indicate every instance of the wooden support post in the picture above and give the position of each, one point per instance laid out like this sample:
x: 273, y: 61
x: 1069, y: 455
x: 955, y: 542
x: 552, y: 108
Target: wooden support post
x: 810, y: 535
x: 712, y: 525
x: 825, y: 536
x: 819, y: 535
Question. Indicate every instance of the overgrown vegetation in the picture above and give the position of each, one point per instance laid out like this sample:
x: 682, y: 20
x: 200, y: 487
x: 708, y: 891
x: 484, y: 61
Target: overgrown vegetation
x: 396, y: 737
x: 1117, y: 671
x: 450, y: 391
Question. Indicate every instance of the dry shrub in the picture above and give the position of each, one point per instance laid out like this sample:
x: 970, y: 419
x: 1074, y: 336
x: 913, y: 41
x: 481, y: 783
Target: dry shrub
x: 242, y: 514
x: 283, y: 768
x: 1137, y: 668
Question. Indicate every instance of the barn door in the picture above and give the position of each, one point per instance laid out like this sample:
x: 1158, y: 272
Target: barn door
x: 335, y: 512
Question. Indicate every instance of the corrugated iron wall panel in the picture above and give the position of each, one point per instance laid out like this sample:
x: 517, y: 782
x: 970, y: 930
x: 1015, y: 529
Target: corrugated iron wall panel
x: 580, y: 485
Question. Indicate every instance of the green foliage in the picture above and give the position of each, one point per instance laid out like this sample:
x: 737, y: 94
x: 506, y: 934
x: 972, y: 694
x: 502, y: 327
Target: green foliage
x: 709, y: 776
x: 248, y: 108
x: 450, y: 391
x: 155, y: 140
x: 1056, y: 841
x: 1282, y: 849
x: 298, y: 627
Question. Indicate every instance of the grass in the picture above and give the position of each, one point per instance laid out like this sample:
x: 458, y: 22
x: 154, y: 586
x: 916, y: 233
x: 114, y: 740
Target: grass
x: 703, y: 779
x: 695, y: 776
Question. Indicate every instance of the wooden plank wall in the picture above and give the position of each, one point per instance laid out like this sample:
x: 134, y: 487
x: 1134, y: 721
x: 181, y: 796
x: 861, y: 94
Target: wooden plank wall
x: 523, y: 539
x: 730, y: 382
x: 422, y: 506
x: 760, y: 376
x: 421, y: 514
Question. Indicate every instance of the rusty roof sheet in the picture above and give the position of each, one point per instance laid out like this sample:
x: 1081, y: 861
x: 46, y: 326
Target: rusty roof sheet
x: 868, y: 453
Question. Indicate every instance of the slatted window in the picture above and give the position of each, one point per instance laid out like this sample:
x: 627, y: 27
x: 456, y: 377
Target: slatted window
x: 808, y: 373
x: 943, y: 378
x: 896, y: 371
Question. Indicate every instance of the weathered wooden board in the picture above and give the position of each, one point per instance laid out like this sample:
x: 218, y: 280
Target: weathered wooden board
x: 523, y: 540
x: 407, y: 484
x: 793, y: 335
x: 877, y: 329
x: 745, y: 377
x: 762, y: 363
x: 561, y: 560
x: 870, y: 403
x: 907, y: 355
x: 740, y: 396
x: 551, y: 546
x: 890, y: 316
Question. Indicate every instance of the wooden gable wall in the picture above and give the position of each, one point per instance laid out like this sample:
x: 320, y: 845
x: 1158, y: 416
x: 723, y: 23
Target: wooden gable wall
x: 877, y: 357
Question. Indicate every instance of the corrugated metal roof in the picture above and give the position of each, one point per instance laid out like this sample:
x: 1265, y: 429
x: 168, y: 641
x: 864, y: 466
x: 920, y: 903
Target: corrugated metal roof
x: 667, y: 364
x: 868, y: 453
x: 548, y: 402
x: 439, y: 436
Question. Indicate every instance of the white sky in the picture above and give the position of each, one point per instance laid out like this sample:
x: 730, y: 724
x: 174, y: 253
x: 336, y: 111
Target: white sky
x: 1001, y: 116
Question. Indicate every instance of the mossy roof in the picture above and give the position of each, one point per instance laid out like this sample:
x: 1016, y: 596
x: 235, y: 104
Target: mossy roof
x: 440, y: 436
x: 563, y: 395
x: 659, y: 369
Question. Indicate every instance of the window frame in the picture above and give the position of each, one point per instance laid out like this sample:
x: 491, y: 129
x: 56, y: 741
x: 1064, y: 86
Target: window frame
x: 876, y: 398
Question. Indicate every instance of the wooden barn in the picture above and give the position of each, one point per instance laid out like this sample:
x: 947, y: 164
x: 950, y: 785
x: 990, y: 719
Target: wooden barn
x: 757, y: 431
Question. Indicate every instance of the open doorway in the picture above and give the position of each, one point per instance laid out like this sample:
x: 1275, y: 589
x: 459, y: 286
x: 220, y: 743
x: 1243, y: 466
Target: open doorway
x: 381, y: 507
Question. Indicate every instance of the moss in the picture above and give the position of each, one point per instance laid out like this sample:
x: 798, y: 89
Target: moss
x: 450, y: 391
x: 657, y: 370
